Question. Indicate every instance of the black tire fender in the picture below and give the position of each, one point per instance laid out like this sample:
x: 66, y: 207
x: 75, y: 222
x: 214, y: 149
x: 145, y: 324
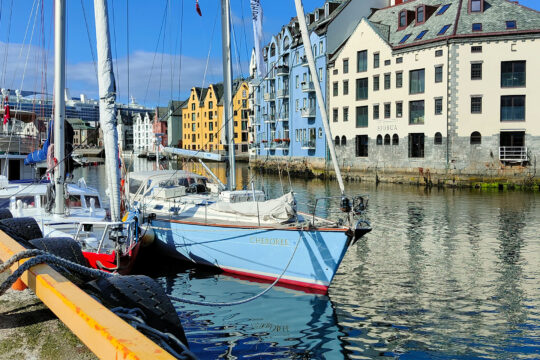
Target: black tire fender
x: 21, y: 229
x: 63, y: 247
x: 5, y: 214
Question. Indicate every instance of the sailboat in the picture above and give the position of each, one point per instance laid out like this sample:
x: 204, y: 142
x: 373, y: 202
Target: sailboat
x: 74, y: 210
x: 238, y: 231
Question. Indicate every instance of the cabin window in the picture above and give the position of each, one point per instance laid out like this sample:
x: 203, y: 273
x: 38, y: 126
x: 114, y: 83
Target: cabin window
x: 74, y: 201
x: 96, y: 201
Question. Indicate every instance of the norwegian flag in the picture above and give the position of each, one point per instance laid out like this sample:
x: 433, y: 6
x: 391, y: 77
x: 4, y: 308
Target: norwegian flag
x: 198, y: 8
x: 7, y: 115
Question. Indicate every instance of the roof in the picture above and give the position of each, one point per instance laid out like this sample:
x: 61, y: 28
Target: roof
x: 493, y: 20
x: 78, y: 124
x: 162, y: 113
x: 177, y: 105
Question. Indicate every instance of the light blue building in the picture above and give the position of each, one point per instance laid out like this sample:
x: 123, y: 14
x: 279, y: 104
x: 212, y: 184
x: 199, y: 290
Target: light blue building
x: 287, y: 119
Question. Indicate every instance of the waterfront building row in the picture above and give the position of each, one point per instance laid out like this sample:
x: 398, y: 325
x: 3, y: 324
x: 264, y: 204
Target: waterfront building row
x: 428, y: 84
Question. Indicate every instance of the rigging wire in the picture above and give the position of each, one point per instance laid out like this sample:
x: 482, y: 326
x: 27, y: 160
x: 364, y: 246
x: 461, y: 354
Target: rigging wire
x: 23, y: 43
x: 89, y: 39
x: 6, y: 54
x: 163, y: 51
x: 180, y: 50
x: 127, y: 40
x: 117, y: 75
x: 28, y: 53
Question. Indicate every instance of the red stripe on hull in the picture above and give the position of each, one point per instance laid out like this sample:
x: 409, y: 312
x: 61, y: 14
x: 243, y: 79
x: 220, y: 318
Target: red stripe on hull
x: 287, y: 283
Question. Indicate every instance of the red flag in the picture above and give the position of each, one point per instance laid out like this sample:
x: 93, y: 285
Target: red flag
x: 198, y: 8
x: 7, y: 115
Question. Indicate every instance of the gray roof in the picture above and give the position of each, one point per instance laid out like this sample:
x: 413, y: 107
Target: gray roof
x: 177, y: 105
x: 493, y: 20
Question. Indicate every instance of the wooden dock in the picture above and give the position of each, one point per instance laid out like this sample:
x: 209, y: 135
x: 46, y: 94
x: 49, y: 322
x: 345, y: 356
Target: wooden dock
x: 104, y: 333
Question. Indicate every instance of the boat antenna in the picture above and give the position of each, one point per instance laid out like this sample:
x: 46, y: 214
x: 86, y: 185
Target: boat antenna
x: 317, y: 84
x: 227, y: 96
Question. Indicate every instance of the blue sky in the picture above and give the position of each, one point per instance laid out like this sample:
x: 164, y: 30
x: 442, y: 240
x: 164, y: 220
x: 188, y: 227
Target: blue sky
x: 154, y: 55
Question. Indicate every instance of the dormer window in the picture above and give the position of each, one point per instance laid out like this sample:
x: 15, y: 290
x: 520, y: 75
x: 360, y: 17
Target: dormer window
x: 317, y: 15
x: 420, y: 15
x: 443, y: 9
x: 403, y: 18
x: 511, y: 25
x: 476, y: 5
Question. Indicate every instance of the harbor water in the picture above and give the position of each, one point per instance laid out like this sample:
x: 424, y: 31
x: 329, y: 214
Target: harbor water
x: 445, y: 274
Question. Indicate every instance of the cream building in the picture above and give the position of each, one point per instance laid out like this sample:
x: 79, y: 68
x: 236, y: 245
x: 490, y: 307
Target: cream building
x: 143, y: 135
x: 439, y: 85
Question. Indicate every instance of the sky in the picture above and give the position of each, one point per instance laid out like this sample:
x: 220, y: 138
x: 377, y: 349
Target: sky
x: 168, y: 46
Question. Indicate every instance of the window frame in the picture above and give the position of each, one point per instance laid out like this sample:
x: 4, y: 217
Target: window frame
x: 481, y: 10
x: 514, y: 97
x: 513, y: 63
x: 421, y: 81
x: 363, y: 95
x: 476, y: 104
x: 362, y: 54
x: 423, y: 7
x: 439, y: 75
x: 358, y: 124
x: 438, y: 106
x: 419, y: 120
x: 473, y: 64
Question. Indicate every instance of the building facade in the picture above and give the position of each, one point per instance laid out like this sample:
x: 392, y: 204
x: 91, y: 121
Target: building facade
x: 431, y: 85
x: 143, y: 135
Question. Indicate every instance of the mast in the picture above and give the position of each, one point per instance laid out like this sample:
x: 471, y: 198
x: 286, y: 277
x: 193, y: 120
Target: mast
x: 59, y: 101
x: 107, y: 105
x: 227, y: 85
x: 311, y: 62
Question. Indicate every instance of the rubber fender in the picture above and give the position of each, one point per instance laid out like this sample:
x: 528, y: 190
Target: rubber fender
x: 63, y: 247
x: 5, y: 214
x: 143, y: 292
x: 21, y: 229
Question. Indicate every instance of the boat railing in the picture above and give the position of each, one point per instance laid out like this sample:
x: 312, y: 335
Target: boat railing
x: 128, y: 226
x: 338, y: 205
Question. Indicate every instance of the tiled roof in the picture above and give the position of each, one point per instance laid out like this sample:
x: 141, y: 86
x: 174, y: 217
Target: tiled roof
x: 493, y: 19
x: 162, y: 113
x: 177, y: 105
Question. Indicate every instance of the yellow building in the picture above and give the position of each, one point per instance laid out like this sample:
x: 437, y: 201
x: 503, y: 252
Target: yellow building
x: 202, y: 117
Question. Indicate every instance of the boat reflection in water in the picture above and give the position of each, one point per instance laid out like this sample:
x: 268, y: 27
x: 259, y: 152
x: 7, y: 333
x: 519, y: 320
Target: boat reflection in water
x: 281, y: 324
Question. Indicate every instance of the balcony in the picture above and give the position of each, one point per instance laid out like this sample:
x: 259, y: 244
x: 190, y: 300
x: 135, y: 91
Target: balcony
x: 269, y: 118
x: 303, y: 61
x: 513, y: 154
x: 283, y: 116
x: 271, y: 75
x: 283, y: 93
x: 270, y: 96
x: 308, y: 113
x: 308, y: 144
x: 282, y: 70
x: 308, y: 86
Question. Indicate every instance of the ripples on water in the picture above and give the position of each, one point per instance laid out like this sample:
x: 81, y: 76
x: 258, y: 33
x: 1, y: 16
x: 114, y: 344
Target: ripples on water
x: 444, y: 274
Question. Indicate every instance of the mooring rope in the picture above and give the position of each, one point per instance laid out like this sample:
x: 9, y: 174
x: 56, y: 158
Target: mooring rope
x: 239, y: 302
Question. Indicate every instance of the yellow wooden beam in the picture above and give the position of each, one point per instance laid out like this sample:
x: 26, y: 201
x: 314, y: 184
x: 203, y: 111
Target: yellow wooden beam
x: 104, y: 333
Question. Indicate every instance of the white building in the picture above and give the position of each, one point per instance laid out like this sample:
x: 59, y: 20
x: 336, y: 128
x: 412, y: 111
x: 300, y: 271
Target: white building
x: 143, y: 135
x: 428, y: 85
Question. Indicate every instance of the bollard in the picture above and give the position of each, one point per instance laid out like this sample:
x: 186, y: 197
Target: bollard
x: 19, y: 285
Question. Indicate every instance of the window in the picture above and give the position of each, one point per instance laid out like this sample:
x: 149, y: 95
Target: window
x: 510, y: 25
x: 438, y: 106
x: 476, y: 71
x: 376, y: 60
x: 476, y: 5
x: 361, y: 61
x: 443, y: 30
x: 345, y: 114
x: 438, y: 73
x: 399, y: 79
x: 399, y: 109
x: 513, y: 73
x: 345, y: 87
x: 297, y: 81
x: 416, y: 112
x: 335, y: 114
x: 387, y: 111
x: 336, y: 141
x: 395, y: 139
x: 443, y: 9
x: 387, y: 139
x: 379, y: 139
x: 335, y: 88
x: 345, y: 66
x: 421, y: 35
x: 416, y: 145
x: 476, y: 138
x: 438, y: 139
x: 375, y: 111
x: 343, y: 140
x: 402, y: 19
x: 476, y: 49
x: 361, y: 146
x: 361, y: 116
x: 362, y: 89
x: 513, y: 108
x: 320, y: 73
x: 405, y: 38
x: 399, y: 60
x: 416, y: 81
x: 476, y: 105
x: 477, y: 27
x: 420, y: 15
x: 387, y: 81
x: 376, y: 83
x: 387, y: 62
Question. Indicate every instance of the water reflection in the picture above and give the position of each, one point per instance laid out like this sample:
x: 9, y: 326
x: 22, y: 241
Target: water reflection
x: 443, y: 274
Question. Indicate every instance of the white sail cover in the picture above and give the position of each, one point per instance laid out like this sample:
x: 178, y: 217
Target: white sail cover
x: 278, y: 210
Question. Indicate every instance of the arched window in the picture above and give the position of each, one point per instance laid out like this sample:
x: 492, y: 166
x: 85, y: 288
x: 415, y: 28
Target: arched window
x: 343, y: 140
x: 476, y: 138
x: 379, y: 139
x: 438, y: 138
x: 286, y: 43
x: 395, y: 139
x: 336, y: 141
x: 273, y: 50
x: 387, y: 139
